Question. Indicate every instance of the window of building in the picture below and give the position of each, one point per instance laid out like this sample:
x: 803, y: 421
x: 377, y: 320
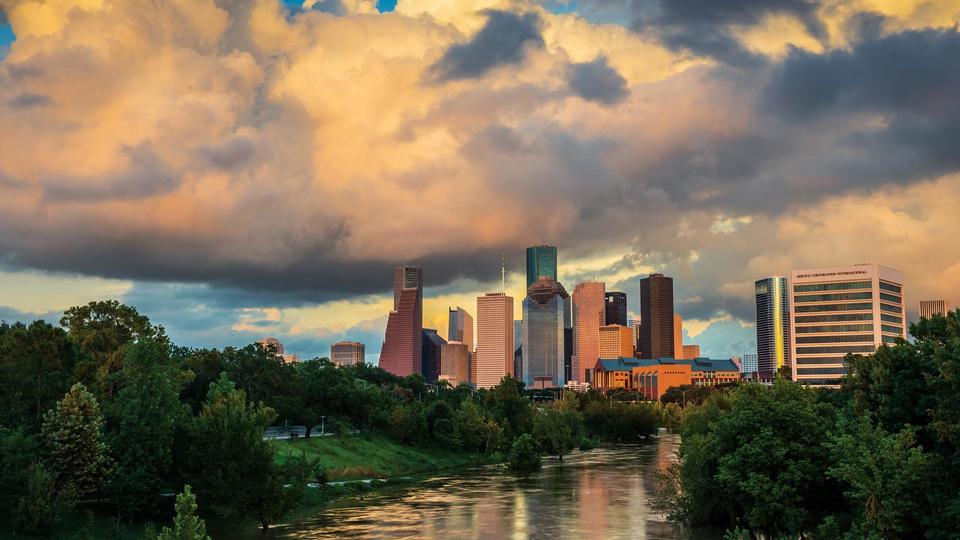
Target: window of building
x: 840, y: 349
x: 891, y: 318
x: 813, y: 287
x: 834, y: 318
x: 890, y: 298
x: 890, y: 287
x: 833, y: 297
x: 894, y: 329
x: 835, y: 328
x: 891, y: 309
x: 822, y: 371
x: 834, y: 307
x: 823, y: 381
x: 820, y: 360
x: 858, y: 338
x: 890, y: 339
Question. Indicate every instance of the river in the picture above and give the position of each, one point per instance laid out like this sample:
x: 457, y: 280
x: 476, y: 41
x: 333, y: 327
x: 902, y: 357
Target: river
x: 603, y: 493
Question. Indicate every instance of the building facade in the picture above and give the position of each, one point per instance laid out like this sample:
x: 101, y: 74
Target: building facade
x: 495, y: 349
x: 841, y: 310
x: 656, y: 314
x: 541, y: 262
x: 750, y: 364
x: 455, y: 363
x: 347, y: 353
x: 273, y: 344
x: 678, y: 337
x: 616, y: 341
x: 690, y: 352
x: 652, y: 377
x: 616, y: 308
x: 772, y: 296
x: 929, y: 308
x: 430, y: 354
x: 401, y: 353
x: 589, y: 308
x: 546, y: 314
x: 460, y: 328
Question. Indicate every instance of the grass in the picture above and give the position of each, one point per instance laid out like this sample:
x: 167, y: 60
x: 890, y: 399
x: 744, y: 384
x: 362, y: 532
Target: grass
x: 373, y: 456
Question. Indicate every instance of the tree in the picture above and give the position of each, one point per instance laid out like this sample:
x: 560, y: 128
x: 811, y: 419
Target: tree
x: 101, y: 330
x: 510, y: 408
x: 73, y: 432
x: 408, y: 424
x: 524, y: 454
x: 42, y: 508
x: 186, y: 524
x: 473, y: 430
x: 142, y: 419
x: 557, y: 430
x: 229, y: 463
x: 18, y: 451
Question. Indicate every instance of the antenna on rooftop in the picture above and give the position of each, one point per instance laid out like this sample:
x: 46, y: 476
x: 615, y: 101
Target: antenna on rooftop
x: 503, y: 274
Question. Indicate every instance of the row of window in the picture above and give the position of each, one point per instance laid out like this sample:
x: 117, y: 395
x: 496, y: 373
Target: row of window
x: 891, y: 309
x: 891, y: 318
x: 859, y: 338
x: 843, y: 349
x: 835, y: 318
x: 822, y: 381
x: 822, y: 371
x: 890, y: 298
x: 834, y: 297
x: 890, y: 339
x: 820, y: 360
x: 835, y: 328
x: 834, y: 307
x: 832, y: 286
x: 890, y: 287
x: 894, y: 329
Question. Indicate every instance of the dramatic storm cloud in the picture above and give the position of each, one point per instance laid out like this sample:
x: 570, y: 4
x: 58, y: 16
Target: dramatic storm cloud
x: 244, y: 167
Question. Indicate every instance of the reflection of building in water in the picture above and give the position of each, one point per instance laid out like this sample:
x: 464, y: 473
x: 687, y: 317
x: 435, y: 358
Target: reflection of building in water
x: 593, y: 502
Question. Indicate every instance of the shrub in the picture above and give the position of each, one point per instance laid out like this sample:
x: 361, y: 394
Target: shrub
x: 524, y: 454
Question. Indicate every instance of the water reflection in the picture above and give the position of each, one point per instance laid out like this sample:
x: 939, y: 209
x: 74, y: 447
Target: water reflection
x: 603, y: 493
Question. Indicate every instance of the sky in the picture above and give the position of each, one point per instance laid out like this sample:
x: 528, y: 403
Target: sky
x: 242, y: 168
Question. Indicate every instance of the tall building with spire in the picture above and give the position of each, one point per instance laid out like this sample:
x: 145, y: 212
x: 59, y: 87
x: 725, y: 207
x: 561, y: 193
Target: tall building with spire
x: 541, y: 262
x: 656, y: 312
x: 772, y: 297
x: 546, y: 316
x: 589, y: 314
x: 495, y: 346
x: 402, y: 345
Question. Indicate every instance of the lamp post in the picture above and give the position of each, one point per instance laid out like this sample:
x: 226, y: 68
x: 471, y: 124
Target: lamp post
x: 323, y: 432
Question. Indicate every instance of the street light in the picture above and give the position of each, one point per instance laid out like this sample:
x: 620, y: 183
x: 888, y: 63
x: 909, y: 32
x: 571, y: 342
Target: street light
x: 322, y: 426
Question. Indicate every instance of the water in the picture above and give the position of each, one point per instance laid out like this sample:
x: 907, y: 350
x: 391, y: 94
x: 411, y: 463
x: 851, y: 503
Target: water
x: 603, y: 493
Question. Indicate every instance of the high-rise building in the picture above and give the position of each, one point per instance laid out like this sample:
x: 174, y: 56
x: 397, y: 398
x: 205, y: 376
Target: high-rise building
x: 272, y: 343
x: 749, y: 364
x: 656, y: 312
x: 460, y: 328
x: 402, y: 344
x: 589, y: 307
x: 772, y: 297
x: 347, y: 353
x: 678, y: 337
x: 616, y: 308
x: 691, y: 352
x: 430, y: 353
x: 495, y: 349
x: 546, y: 314
x: 634, y: 324
x: 541, y: 262
x: 929, y: 308
x: 836, y: 311
x: 455, y: 363
x: 615, y: 341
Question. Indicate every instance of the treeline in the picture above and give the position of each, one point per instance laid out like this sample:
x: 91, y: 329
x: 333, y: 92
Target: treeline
x: 876, y: 459
x: 105, y: 412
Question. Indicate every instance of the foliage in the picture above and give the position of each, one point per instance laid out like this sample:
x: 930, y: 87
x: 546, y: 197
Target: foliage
x: 43, y: 507
x: 77, y: 454
x: 619, y: 421
x: 408, y: 423
x: 474, y: 430
x: 18, y: 451
x: 186, y: 524
x: 510, y: 408
x: 524, y: 454
x: 557, y: 430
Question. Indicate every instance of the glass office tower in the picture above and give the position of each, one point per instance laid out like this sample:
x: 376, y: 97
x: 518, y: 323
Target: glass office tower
x: 541, y: 262
x: 546, y: 315
x: 773, y: 325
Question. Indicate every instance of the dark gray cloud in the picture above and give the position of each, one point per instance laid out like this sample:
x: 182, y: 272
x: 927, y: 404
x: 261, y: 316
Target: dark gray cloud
x: 502, y: 40
x: 146, y: 175
x: 27, y: 101
x: 597, y: 81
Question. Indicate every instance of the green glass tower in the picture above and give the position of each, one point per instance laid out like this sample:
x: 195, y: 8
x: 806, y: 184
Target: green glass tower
x: 541, y: 262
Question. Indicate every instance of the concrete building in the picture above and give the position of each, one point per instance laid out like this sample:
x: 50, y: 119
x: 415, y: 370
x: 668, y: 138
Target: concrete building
x: 460, y: 328
x: 495, y: 349
x: 750, y: 364
x: 402, y: 345
x: 929, y: 308
x: 654, y: 376
x: 634, y: 325
x: 616, y: 308
x: 841, y: 310
x: 772, y: 297
x: 541, y: 262
x: 347, y: 353
x: 615, y: 341
x: 589, y: 308
x: 546, y: 316
x: 656, y: 312
x: 430, y: 354
x: 678, y: 337
x: 690, y: 351
x: 272, y: 343
x: 455, y: 363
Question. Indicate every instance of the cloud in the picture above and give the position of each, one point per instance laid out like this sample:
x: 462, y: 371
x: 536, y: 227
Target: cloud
x: 25, y: 101
x: 503, y: 40
x: 597, y: 81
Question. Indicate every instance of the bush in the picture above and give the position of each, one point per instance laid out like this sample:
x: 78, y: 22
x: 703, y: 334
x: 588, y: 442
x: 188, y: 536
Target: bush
x: 42, y: 508
x: 524, y: 454
x: 588, y: 443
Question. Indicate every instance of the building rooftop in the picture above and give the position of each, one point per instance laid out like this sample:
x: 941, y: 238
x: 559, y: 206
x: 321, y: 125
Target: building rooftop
x: 696, y: 364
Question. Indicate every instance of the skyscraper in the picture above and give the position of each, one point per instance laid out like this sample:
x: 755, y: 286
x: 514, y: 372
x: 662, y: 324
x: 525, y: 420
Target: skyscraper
x: 656, y: 312
x: 678, y: 337
x: 835, y: 311
x: 455, y: 363
x: 749, y: 364
x: 541, y: 262
x: 495, y: 349
x: 460, y: 328
x: 589, y: 307
x: 616, y: 310
x: 402, y: 344
x: 615, y: 341
x: 546, y: 314
x: 773, y: 325
x: 430, y: 346
x: 929, y: 308
x: 347, y: 353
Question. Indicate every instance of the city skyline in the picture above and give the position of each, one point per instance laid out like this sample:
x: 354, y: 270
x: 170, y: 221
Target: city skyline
x: 542, y: 136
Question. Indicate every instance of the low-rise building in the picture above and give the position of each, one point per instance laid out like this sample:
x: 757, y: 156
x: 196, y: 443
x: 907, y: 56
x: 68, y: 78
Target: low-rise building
x: 654, y: 376
x: 347, y: 353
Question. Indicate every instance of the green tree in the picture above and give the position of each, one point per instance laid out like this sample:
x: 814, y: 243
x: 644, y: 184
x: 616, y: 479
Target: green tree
x: 524, y: 454
x: 473, y: 430
x: 510, y: 407
x: 142, y: 419
x: 18, y: 451
x: 227, y: 461
x: 187, y: 525
x: 408, y: 423
x: 36, y: 363
x: 557, y: 430
x: 43, y: 507
x: 73, y: 433
x: 101, y: 330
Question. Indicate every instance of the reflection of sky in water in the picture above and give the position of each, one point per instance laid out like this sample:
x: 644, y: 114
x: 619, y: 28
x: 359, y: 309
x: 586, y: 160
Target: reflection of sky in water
x: 599, y: 494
